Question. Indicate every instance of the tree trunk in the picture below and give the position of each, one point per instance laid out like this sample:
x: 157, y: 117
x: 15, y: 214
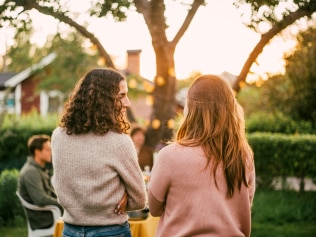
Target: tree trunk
x: 164, y: 107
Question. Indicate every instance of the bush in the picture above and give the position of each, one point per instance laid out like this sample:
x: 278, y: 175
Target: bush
x: 13, y: 146
x: 277, y: 123
x: 9, y: 203
x: 279, y: 155
x: 14, y: 135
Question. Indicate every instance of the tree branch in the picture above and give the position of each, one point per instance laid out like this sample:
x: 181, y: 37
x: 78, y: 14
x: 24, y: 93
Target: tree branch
x: 191, y: 13
x: 265, y: 38
x: 63, y: 18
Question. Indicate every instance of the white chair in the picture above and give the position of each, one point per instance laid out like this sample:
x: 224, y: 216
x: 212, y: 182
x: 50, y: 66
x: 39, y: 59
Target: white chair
x: 40, y: 232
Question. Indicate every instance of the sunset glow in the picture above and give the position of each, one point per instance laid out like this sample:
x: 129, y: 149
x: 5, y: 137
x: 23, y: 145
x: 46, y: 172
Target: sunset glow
x: 216, y: 40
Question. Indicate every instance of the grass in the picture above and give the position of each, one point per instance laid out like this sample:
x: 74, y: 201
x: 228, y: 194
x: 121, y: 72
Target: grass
x: 284, y: 214
x: 13, y: 231
x: 300, y: 229
x: 275, y: 214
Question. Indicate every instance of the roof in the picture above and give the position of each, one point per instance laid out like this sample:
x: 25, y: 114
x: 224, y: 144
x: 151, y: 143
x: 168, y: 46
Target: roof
x: 13, y: 79
x: 4, y: 76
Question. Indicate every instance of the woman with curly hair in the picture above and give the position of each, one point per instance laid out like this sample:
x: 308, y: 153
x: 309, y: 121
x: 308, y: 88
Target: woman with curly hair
x: 96, y: 173
x: 203, y: 184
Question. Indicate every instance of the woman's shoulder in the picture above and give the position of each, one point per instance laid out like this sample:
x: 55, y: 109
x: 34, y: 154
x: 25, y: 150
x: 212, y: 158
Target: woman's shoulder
x: 176, y: 148
x: 118, y: 136
x: 58, y: 131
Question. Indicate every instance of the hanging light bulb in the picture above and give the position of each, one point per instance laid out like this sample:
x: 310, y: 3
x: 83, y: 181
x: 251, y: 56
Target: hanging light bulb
x: 170, y: 123
x: 160, y: 81
x: 155, y: 124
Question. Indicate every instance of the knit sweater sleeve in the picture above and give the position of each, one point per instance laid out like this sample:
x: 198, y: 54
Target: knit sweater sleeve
x: 131, y: 174
x: 159, y: 183
x: 251, y: 179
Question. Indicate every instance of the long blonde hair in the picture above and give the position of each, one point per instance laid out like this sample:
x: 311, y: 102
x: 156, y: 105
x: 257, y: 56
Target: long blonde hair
x: 214, y: 120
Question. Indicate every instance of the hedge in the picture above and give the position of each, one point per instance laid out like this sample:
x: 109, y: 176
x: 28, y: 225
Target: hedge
x: 276, y: 155
x: 279, y: 155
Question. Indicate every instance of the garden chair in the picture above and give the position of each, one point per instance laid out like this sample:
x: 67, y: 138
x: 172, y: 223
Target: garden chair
x: 40, y: 232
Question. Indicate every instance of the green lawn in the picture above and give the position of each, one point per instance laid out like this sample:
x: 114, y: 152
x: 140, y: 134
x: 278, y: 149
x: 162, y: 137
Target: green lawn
x: 286, y: 230
x: 258, y: 230
x: 13, y: 231
x: 275, y: 214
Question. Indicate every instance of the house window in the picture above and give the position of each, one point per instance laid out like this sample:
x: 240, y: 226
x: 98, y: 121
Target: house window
x: 10, y: 103
x: 53, y: 104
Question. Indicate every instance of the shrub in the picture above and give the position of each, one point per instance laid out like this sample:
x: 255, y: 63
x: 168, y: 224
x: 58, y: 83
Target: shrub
x: 279, y: 155
x: 277, y: 123
x: 9, y: 204
x: 14, y: 135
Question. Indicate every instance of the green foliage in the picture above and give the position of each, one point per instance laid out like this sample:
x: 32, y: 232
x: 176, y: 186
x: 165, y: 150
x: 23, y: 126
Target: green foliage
x: 279, y: 155
x: 301, y: 73
x: 268, y: 11
x: 31, y: 120
x: 15, y: 133
x: 9, y: 204
x: 23, y: 51
x: 290, y: 97
x: 277, y: 123
x: 72, y: 62
x: 117, y: 9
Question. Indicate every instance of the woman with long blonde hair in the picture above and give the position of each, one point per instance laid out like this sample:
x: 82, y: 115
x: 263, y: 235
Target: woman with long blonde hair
x: 203, y: 184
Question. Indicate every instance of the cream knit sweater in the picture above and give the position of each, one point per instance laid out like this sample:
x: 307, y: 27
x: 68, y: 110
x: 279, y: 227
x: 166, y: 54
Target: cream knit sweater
x: 91, y: 174
x: 194, y: 206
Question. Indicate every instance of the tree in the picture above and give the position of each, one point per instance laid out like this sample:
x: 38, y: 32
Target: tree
x: 161, y: 125
x: 268, y: 12
x: 72, y: 59
x: 12, y: 11
x: 291, y: 94
x: 294, y: 92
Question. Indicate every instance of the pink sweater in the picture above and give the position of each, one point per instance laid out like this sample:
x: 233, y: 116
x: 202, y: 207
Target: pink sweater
x: 194, y: 206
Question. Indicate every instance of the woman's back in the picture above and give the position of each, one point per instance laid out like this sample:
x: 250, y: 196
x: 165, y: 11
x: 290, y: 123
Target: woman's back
x: 194, y: 205
x: 88, y: 176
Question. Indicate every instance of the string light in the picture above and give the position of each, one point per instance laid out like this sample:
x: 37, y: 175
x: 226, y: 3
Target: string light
x: 155, y: 124
x: 160, y: 81
x: 171, y: 72
x: 101, y: 61
x: 148, y: 87
x: 149, y: 100
x: 170, y: 123
x: 132, y: 83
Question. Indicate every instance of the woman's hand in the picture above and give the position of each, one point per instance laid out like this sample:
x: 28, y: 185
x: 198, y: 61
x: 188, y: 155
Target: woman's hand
x: 121, y: 206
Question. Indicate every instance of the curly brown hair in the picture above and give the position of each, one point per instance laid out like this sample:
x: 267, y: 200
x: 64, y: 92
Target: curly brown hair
x: 93, y: 105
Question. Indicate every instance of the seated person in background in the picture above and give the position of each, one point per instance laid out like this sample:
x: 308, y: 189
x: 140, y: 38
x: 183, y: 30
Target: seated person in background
x: 145, y: 153
x: 34, y: 183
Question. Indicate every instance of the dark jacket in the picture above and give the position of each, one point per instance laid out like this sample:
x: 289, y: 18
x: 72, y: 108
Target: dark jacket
x: 35, y: 187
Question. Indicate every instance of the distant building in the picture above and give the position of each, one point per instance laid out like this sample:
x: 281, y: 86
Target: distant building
x: 19, y: 93
x: 25, y: 97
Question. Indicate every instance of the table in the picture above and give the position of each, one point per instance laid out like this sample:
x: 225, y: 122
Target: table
x: 139, y: 228
x: 144, y: 228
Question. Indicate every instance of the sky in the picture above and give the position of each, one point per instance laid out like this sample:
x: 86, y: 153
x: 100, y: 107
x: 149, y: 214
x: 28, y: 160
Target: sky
x: 216, y: 40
